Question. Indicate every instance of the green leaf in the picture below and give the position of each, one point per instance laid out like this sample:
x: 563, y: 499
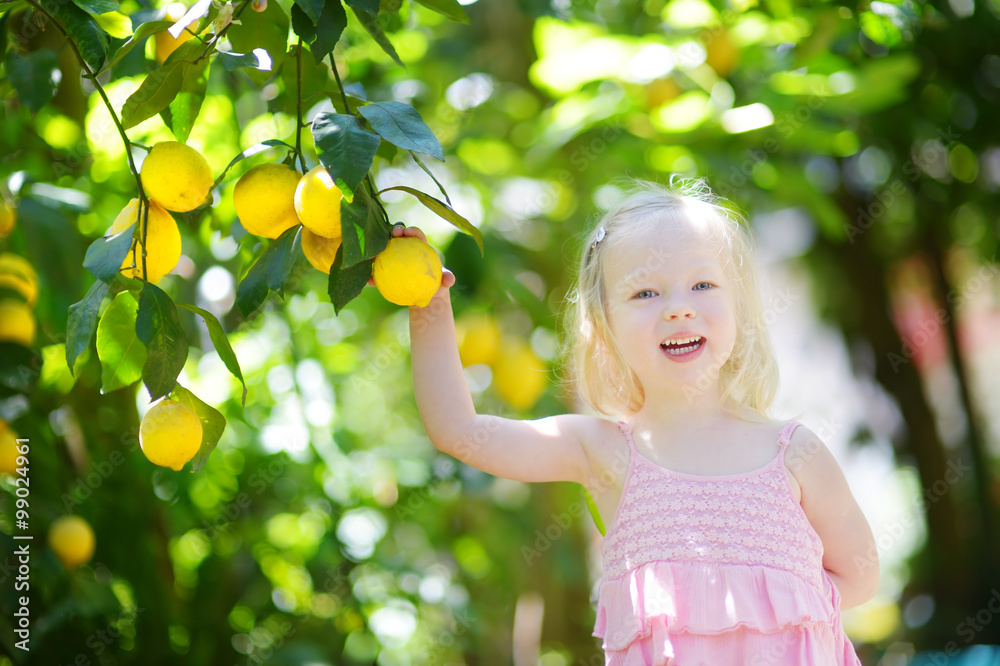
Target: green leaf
x: 367, y: 5
x: 233, y: 61
x: 448, y: 8
x: 122, y: 355
x: 594, y: 513
x: 222, y: 346
x: 83, y: 29
x: 252, y: 150
x: 270, y: 272
x: 97, y: 6
x: 443, y: 210
x: 213, y: 424
x: 105, y: 255
x: 346, y: 283
x: 267, y: 30
x: 321, y: 35
x: 82, y: 321
x: 367, y: 217
x: 155, y: 93
x: 186, y: 105
x: 353, y: 219
x: 401, y: 125
x: 160, y: 330
x: 141, y: 33
x: 345, y: 148
x: 370, y: 23
x: 115, y: 24
x: 312, y: 8
x: 35, y: 76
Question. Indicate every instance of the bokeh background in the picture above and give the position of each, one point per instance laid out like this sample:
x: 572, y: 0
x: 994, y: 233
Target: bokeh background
x: 861, y: 142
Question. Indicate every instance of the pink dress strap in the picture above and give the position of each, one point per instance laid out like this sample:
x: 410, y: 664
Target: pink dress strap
x: 785, y: 436
x: 624, y: 427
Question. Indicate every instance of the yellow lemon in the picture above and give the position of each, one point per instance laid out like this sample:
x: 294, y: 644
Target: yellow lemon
x: 72, y: 540
x: 520, y: 377
x: 8, y: 449
x: 317, y: 203
x: 17, y: 323
x: 407, y: 271
x: 18, y: 275
x: 319, y: 250
x: 479, y: 339
x: 265, y: 199
x: 162, y: 237
x: 170, y: 434
x: 8, y: 217
x: 176, y: 176
x: 165, y: 43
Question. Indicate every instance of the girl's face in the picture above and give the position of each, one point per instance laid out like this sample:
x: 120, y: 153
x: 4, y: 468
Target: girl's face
x: 670, y: 307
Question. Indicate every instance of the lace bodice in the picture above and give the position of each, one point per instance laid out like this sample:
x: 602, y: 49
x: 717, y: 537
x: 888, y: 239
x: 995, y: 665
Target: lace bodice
x: 751, y: 518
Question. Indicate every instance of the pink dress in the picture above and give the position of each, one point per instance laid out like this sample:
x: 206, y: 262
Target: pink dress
x: 716, y: 571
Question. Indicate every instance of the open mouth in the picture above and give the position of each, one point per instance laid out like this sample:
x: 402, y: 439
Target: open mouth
x: 682, y: 346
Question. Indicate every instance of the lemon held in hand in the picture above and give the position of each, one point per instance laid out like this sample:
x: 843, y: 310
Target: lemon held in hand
x: 170, y: 434
x: 162, y: 237
x: 265, y: 199
x: 317, y: 203
x: 407, y: 271
x: 72, y: 540
x: 176, y: 176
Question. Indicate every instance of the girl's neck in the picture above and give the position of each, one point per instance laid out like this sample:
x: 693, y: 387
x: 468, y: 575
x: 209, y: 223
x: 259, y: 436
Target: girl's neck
x: 687, y: 414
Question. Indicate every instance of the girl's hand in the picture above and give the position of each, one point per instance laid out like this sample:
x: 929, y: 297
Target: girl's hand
x: 400, y: 229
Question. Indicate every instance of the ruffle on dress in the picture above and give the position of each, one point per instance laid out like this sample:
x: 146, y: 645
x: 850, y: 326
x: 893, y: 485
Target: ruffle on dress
x: 722, y: 615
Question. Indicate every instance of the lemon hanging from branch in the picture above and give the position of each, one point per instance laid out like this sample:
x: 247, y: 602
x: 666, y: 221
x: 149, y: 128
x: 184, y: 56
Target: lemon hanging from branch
x: 176, y: 176
x: 170, y: 434
x: 163, y: 240
x: 265, y: 199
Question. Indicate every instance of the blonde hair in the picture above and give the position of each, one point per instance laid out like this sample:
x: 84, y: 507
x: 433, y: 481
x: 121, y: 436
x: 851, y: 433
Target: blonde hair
x: 597, y: 367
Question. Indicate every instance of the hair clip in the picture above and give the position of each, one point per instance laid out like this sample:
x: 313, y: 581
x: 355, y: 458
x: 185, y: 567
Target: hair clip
x: 600, y: 236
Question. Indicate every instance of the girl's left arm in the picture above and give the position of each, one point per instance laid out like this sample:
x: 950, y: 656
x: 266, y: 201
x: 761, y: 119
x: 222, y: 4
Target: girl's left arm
x: 850, y: 555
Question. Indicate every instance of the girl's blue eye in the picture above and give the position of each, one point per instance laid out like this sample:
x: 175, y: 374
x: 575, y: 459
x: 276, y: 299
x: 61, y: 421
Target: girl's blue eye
x: 702, y: 286
x: 644, y: 291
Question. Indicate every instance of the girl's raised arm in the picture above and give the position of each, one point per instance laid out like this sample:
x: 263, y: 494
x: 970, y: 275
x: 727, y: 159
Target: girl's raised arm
x: 548, y: 449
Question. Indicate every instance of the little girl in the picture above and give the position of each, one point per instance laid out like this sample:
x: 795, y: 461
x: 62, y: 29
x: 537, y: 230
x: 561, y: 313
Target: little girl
x: 735, y: 539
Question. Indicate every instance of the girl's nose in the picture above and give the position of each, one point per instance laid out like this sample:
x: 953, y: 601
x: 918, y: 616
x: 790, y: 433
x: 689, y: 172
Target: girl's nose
x: 678, y: 308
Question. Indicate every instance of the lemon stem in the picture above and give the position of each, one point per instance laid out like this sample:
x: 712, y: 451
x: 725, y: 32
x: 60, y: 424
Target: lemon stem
x: 298, y: 105
x: 340, y: 85
x: 144, y: 221
x: 92, y: 77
